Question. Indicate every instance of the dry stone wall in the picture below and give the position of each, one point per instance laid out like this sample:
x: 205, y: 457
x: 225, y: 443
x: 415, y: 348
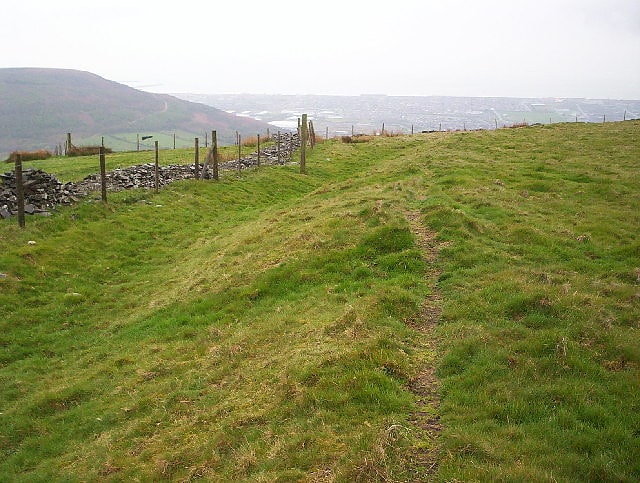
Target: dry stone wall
x: 43, y: 191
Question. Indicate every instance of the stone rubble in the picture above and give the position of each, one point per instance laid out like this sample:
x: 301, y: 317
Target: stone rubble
x: 43, y: 191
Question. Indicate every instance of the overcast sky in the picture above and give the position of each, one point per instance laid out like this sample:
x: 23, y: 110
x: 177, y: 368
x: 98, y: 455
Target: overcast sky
x: 519, y: 48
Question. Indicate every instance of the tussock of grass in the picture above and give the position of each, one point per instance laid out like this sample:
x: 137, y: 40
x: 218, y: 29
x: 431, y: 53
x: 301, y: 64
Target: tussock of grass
x: 257, y: 328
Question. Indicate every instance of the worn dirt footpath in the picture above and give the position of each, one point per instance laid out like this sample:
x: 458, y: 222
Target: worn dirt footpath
x: 425, y: 384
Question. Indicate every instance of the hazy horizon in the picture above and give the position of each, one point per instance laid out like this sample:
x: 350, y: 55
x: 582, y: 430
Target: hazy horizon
x: 488, y: 48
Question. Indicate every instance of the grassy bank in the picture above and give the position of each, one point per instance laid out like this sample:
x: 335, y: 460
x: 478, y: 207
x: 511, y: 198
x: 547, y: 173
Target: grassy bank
x: 260, y: 328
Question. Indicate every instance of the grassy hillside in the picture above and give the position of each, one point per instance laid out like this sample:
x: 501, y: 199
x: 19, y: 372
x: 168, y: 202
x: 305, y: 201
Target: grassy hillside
x: 267, y: 327
x: 39, y: 106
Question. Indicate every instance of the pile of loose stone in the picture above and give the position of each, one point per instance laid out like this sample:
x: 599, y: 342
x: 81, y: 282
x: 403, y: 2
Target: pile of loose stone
x: 269, y: 155
x: 140, y: 176
x: 43, y: 191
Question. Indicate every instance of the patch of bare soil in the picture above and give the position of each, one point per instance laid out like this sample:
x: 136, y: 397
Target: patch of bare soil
x: 425, y: 384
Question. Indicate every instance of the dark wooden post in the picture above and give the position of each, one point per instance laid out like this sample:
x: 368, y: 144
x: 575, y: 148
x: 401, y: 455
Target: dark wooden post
x: 214, y: 147
x: 239, y: 150
x: 278, y: 145
x: 290, y: 154
x: 138, y: 142
x: 312, y: 135
x: 196, y: 157
x: 382, y: 132
x: 205, y: 139
x: 326, y: 136
x: 624, y: 117
x: 68, y: 150
x: 20, y: 190
x: 157, y: 169
x: 258, y: 150
x: 412, y: 129
x: 303, y: 144
x: 103, y: 175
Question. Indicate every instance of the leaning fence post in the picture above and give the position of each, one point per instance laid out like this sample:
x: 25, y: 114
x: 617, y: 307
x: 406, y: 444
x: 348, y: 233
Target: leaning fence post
x: 312, y: 135
x: 290, y: 154
x: 157, y: 174
x: 214, y: 147
x: 103, y: 175
x: 20, y: 190
x: 196, y: 157
x: 278, y: 145
x: 303, y: 144
x: 258, y: 150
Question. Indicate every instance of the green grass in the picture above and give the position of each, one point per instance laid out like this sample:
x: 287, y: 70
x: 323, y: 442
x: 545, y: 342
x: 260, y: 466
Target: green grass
x: 259, y: 328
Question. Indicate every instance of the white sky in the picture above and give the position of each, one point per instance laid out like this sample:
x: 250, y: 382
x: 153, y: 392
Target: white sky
x: 519, y: 48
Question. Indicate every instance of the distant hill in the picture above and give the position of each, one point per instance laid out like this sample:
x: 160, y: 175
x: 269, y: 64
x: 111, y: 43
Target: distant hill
x: 39, y: 106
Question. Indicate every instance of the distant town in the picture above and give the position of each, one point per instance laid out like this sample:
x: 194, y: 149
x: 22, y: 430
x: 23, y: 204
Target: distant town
x: 339, y: 115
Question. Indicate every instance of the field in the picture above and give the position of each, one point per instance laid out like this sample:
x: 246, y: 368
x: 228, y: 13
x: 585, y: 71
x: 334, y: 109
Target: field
x: 276, y: 326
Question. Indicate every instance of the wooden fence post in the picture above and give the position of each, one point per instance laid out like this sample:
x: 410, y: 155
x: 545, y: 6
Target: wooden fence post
x: 239, y: 150
x: 196, y: 157
x: 157, y: 174
x: 290, y: 154
x: 326, y: 136
x: 138, y: 142
x: 303, y: 144
x: 174, y: 140
x: 214, y: 147
x: 311, y: 135
x: 20, y: 190
x: 103, y: 175
x: 258, y: 149
x: 68, y: 150
x: 206, y: 135
x: 278, y: 146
